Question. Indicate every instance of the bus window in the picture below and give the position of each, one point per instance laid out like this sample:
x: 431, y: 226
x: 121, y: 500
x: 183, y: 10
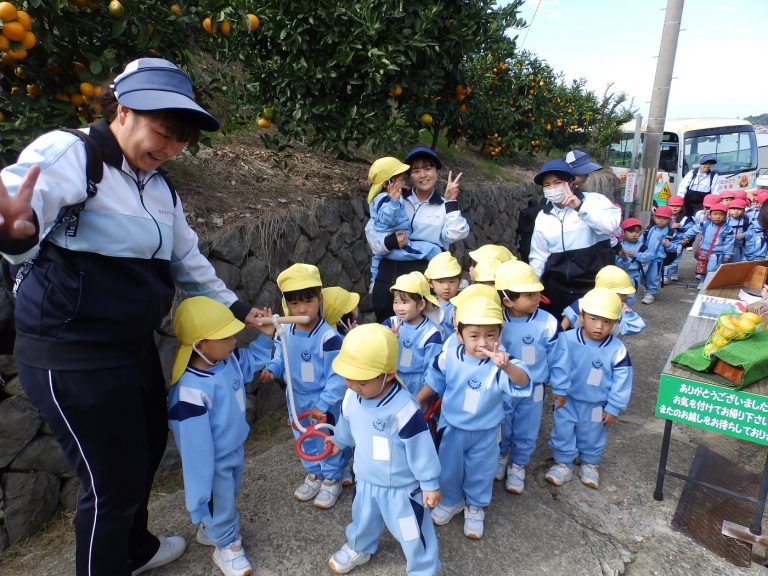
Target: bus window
x: 620, y: 153
x: 735, y: 151
x: 668, y: 158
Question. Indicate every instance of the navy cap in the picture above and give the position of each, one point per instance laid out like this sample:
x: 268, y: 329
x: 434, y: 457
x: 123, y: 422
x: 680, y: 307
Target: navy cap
x: 707, y: 159
x: 149, y: 84
x: 581, y: 163
x: 423, y: 151
x: 556, y: 166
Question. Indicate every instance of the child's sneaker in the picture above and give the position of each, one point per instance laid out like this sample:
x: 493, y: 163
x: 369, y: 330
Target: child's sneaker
x: 347, y: 479
x: 442, y: 514
x: 674, y: 277
x: 515, y: 479
x: 345, y: 560
x: 328, y: 494
x: 648, y: 299
x: 501, y: 467
x: 589, y: 475
x: 202, y: 537
x: 473, y: 522
x: 232, y: 560
x: 559, y: 474
x: 308, y: 489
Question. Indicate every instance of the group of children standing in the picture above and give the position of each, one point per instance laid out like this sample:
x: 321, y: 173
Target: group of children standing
x: 725, y: 230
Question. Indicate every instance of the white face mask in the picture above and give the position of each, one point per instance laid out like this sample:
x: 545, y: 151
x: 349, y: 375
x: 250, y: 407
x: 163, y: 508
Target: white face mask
x: 556, y: 194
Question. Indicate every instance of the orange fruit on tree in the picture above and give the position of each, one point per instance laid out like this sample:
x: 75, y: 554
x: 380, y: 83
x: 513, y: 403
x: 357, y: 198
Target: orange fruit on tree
x: 426, y: 119
x: 225, y: 27
x: 33, y: 89
x: 263, y: 123
x: 208, y: 25
x: 14, y: 31
x: 396, y: 91
x: 6, y: 58
x: 78, y: 67
x: 61, y: 97
x: 116, y: 9
x: 29, y: 41
x: 97, y: 90
x: 4, y: 43
x: 24, y: 19
x: 251, y: 20
x: 17, y: 53
x: 463, y: 108
x: 8, y: 11
x: 77, y: 99
x: 176, y: 9
x: 86, y: 89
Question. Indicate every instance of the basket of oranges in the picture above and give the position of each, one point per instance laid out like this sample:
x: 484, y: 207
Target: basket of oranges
x: 731, y: 328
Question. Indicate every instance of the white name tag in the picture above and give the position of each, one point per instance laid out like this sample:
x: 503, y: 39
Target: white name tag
x: 471, y: 401
x: 595, y: 377
x: 538, y: 393
x: 406, y: 357
x: 409, y: 528
x: 380, y: 448
x: 307, y: 372
x: 240, y: 395
x: 529, y: 355
x: 597, y: 414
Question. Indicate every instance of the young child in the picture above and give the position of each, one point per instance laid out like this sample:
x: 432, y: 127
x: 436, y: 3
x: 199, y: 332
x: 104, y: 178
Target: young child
x: 717, y: 239
x: 206, y: 414
x: 444, y: 275
x: 660, y: 241
x: 396, y: 464
x: 756, y: 242
x: 680, y: 223
x: 472, y: 379
x: 316, y: 388
x: 628, y: 255
x: 532, y: 335
x: 388, y: 213
x: 484, y: 272
x: 340, y: 308
x: 601, y: 384
x: 419, y: 337
x: 618, y: 281
x: 488, y: 252
x: 740, y: 224
x: 726, y: 197
x: 703, y: 215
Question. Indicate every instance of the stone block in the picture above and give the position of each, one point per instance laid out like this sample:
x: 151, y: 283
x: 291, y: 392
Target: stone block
x: 228, y: 273
x: 230, y: 247
x: 69, y: 494
x: 31, y: 499
x: 300, y: 249
x: 253, y: 275
x: 269, y: 398
x: 44, y: 454
x: 19, y: 422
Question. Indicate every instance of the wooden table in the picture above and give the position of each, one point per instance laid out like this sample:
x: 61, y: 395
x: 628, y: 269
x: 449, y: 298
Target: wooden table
x: 695, y: 331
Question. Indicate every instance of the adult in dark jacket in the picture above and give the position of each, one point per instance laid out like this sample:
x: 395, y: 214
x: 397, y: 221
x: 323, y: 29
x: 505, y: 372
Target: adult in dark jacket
x: 87, y: 309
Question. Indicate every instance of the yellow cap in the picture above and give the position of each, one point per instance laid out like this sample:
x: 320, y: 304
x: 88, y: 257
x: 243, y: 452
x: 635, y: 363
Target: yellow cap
x: 517, y: 276
x: 299, y: 277
x: 602, y: 302
x: 415, y: 283
x: 476, y: 290
x: 614, y: 278
x: 337, y: 302
x: 200, y: 318
x: 479, y: 311
x: 444, y: 265
x: 382, y: 170
x: 488, y: 251
x: 485, y: 271
x: 367, y: 351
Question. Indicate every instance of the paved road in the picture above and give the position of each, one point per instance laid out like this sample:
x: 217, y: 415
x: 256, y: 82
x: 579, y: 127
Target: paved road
x: 571, y: 530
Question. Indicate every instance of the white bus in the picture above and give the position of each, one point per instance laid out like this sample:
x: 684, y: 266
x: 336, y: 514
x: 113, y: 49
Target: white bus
x: 731, y: 141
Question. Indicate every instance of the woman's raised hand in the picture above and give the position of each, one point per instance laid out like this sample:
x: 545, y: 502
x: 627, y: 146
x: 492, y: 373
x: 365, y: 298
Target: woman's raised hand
x: 452, y: 188
x: 16, y: 220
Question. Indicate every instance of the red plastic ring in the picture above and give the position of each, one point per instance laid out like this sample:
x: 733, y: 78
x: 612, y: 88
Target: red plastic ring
x: 312, y: 432
x: 305, y: 415
x: 432, y: 409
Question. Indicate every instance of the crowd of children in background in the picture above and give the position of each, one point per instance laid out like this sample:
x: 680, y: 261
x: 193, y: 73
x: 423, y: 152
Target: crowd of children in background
x: 486, y: 349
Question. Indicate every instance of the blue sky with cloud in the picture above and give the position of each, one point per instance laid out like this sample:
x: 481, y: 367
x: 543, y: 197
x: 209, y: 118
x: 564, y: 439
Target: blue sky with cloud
x: 718, y: 66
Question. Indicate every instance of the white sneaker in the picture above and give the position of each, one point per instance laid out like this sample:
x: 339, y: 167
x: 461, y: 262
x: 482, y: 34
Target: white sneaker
x: 232, y: 560
x: 345, y: 560
x: 308, y: 489
x: 501, y: 467
x: 171, y: 547
x: 674, y: 277
x: 442, y: 514
x: 473, y: 522
x: 648, y: 299
x: 515, y: 479
x: 589, y: 475
x: 559, y: 474
x: 347, y: 479
x: 328, y: 494
x: 202, y: 537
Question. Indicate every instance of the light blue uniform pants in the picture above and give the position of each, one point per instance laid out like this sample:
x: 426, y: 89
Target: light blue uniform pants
x: 406, y: 519
x: 520, y: 428
x: 468, y: 464
x: 222, y: 524
x: 332, y: 466
x: 578, y: 430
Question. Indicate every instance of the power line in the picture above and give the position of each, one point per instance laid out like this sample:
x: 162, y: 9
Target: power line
x: 530, y: 24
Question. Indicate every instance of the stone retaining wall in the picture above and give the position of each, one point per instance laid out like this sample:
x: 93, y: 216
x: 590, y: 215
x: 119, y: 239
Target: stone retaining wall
x: 35, y: 479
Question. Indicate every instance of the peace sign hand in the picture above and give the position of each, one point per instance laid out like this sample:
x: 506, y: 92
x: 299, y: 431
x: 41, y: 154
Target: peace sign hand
x: 16, y: 217
x: 499, y: 358
x: 452, y: 188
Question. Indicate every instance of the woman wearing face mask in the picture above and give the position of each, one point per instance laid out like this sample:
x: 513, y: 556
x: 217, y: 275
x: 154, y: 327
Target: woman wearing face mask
x: 571, y: 237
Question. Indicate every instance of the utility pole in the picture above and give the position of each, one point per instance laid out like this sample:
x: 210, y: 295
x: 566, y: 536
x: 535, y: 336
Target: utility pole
x: 658, y: 109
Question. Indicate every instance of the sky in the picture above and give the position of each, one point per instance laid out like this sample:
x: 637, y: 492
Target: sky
x: 718, y: 69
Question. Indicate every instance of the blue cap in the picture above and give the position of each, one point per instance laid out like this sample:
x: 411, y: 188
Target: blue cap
x: 581, y: 163
x: 559, y: 166
x: 423, y: 151
x: 149, y: 84
x: 707, y: 159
